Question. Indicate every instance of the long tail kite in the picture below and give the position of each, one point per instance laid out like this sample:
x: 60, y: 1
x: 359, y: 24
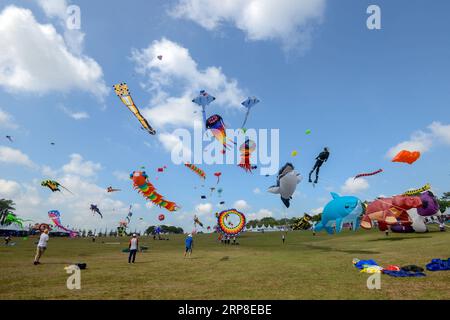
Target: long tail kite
x: 141, y: 183
x: 123, y: 93
x: 54, y: 185
x: 55, y: 216
x: 368, y: 174
x: 197, y: 170
x: 417, y: 191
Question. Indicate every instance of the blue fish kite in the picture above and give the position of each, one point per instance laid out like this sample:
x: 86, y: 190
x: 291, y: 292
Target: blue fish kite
x: 203, y: 100
x: 249, y: 103
x: 338, y: 211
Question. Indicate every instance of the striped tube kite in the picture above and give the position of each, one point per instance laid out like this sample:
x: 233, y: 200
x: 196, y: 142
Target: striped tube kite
x: 368, y: 174
x: 123, y: 93
x: 417, y: 191
x: 217, y: 126
x: 141, y: 183
x: 196, y: 169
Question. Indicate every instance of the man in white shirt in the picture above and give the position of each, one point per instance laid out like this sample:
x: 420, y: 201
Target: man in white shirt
x: 41, y: 247
x: 133, y: 246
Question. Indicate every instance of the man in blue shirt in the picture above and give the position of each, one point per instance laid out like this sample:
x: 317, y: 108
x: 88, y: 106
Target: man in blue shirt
x: 189, y: 244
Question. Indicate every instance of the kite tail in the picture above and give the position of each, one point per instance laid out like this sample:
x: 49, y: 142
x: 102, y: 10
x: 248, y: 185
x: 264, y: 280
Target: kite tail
x: 246, y: 118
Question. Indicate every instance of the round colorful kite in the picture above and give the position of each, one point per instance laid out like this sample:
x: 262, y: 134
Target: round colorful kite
x: 226, y: 227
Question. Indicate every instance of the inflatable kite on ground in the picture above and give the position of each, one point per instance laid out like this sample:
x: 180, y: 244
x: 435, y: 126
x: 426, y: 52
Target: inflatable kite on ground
x: 287, y: 182
x: 140, y: 182
x: 95, y: 209
x: 415, y: 192
x: 55, y: 216
x: 390, y: 211
x: 430, y: 204
x: 303, y: 223
x: 417, y: 216
x: 203, y: 100
x: 338, y: 211
x: 9, y: 138
x: 249, y: 104
x: 406, y: 156
x: 368, y: 174
x: 123, y: 93
x: 197, y: 222
x: 111, y: 189
x: 226, y: 227
x: 246, y: 150
x: 53, y: 185
x: 217, y: 126
x: 161, y: 217
x: 197, y: 170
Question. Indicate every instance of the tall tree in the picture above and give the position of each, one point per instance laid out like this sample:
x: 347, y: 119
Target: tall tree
x: 6, y: 206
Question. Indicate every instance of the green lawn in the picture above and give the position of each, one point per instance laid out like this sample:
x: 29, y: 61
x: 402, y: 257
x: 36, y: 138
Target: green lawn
x: 306, y: 267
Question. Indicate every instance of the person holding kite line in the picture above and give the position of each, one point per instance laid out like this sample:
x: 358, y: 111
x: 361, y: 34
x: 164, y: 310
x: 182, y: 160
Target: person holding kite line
x: 133, y: 246
x: 320, y: 159
x: 41, y: 247
x: 189, y: 244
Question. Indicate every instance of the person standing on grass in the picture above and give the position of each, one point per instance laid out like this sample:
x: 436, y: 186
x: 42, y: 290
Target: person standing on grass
x: 133, y: 246
x: 41, y: 247
x: 189, y: 242
x: 283, y: 237
x: 7, y: 240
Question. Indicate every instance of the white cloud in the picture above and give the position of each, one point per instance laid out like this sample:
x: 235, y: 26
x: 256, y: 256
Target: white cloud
x: 8, y: 188
x: 77, y: 115
x: 263, y: 213
x: 80, y: 167
x: 204, y: 209
x: 441, y: 131
x: 78, y: 175
x: 241, y: 205
x: 423, y: 141
x: 290, y: 21
x: 353, y: 186
x: 121, y: 175
x: 171, y: 141
x: 178, y: 71
x: 14, y: 156
x: 54, y: 8
x: 7, y: 120
x: 256, y: 191
x: 35, y: 58
x: 316, y: 211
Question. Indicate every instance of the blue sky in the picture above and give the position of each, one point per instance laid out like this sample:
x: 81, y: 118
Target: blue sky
x: 363, y: 93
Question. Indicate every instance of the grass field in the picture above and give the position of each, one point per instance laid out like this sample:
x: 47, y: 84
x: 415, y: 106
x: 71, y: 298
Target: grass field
x: 306, y: 267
